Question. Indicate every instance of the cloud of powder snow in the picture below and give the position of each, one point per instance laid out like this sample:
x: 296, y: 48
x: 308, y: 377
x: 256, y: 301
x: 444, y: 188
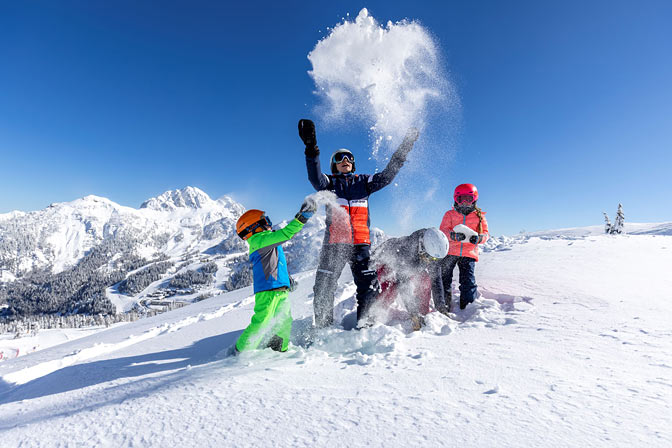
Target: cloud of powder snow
x: 391, y: 78
x: 387, y: 76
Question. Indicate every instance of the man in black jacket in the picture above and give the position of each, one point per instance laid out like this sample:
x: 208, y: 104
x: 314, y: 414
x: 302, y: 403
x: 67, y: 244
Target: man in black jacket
x: 347, y: 237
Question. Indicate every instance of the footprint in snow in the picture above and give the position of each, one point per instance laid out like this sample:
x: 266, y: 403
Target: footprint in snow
x: 494, y: 390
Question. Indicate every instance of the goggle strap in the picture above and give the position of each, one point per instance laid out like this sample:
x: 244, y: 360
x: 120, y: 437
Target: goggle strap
x: 252, y: 227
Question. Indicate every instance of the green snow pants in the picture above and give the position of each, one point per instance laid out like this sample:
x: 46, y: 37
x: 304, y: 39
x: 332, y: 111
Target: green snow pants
x: 271, y: 323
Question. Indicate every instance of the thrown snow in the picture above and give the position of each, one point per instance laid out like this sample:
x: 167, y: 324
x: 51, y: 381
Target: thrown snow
x: 388, y: 76
x: 569, y: 345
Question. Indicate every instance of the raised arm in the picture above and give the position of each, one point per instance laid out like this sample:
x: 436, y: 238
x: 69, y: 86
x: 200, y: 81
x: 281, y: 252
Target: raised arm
x: 317, y: 178
x: 276, y: 237
x: 385, y: 177
x: 315, y: 175
x: 279, y: 236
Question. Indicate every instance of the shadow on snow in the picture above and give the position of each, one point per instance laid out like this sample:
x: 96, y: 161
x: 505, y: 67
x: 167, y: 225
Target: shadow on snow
x: 80, y: 376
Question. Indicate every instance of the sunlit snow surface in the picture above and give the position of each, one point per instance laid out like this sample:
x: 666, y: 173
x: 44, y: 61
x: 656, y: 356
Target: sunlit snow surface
x: 569, y: 345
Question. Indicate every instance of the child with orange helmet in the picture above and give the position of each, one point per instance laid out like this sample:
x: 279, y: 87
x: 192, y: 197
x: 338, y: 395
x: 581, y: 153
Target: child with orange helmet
x: 466, y: 228
x: 271, y: 323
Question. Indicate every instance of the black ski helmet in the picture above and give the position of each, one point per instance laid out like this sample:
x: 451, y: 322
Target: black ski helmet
x: 334, y: 170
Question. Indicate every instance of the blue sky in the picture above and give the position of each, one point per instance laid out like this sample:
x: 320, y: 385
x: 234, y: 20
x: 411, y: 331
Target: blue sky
x: 566, y: 108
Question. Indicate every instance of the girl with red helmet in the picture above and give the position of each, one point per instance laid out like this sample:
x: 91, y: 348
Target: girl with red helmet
x: 466, y: 227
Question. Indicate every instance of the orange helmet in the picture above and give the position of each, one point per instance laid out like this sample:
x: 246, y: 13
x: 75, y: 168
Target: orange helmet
x: 251, y: 222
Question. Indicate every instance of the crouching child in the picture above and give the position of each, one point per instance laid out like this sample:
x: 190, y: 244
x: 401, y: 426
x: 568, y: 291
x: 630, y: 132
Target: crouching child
x: 405, y: 266
x: 271, y: 323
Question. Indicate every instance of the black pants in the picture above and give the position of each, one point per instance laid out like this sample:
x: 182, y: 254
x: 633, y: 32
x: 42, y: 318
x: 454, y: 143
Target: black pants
x: 333, y: 258
x: 443, y: 278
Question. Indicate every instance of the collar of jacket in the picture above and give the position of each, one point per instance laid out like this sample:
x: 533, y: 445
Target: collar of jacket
x: 465, y: 210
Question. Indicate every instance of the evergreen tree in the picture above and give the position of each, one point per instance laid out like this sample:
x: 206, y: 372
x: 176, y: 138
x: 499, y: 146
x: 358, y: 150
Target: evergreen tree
x: 619, y: 222
x: 607, y: 223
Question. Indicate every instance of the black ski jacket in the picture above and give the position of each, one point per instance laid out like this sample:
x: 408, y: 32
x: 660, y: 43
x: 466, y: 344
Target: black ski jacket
x: 352, y: 224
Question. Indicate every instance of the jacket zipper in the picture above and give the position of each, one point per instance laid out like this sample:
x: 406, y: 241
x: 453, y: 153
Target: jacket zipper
x: 464, y: 221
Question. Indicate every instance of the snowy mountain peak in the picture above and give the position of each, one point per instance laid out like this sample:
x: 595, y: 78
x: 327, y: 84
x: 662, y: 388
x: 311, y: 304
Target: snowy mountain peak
x: 58, y: 237
x: 91, y: 198
x: 187, y: 197
x: 92, y: 201
x: 229, y: 203
x: 94, y: 198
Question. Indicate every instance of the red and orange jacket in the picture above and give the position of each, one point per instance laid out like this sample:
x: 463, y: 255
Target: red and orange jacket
x: 473, y: 221
x: 351, y: 223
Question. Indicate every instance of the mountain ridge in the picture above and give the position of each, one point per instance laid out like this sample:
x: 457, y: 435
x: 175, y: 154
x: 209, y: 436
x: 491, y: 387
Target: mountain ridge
x: 102, y: 257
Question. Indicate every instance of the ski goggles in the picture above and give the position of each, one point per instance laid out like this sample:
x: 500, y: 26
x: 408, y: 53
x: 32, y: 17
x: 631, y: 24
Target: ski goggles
x: 339, y: 157
x: 464, y: 198
x: 425, y: 256
x: 265, y: 221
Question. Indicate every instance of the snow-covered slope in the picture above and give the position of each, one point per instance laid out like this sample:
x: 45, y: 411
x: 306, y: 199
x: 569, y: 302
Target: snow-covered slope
x: 566, y: 347
x: 664, y: 228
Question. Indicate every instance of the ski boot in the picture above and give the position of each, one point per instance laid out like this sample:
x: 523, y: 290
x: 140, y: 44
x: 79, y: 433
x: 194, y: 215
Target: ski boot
x: 365, y: 322
x: 417, y: 322
x: 275, y: 344
x: 443, y: 309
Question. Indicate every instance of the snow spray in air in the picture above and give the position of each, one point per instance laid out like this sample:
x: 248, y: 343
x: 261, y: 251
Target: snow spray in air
x: 327, y: 198
x: 390, y: 78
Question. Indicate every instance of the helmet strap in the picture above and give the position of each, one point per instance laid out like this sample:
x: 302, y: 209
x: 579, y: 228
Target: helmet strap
x: 254, y: 228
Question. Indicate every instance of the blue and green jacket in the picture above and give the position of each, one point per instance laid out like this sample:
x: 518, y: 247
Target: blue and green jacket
x: 269, y: 266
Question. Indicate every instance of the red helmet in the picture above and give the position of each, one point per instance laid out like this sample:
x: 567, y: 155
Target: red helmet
x: 466, y: 190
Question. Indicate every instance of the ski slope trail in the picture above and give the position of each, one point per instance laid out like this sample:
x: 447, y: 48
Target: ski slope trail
x: 568, y: 345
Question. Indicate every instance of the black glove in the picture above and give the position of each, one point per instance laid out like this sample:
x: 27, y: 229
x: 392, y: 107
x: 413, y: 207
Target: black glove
x: 456, y: 236
x: 307, y: 210
x: 309, y: 205
x: 475, y: 239
x: 307, y: 134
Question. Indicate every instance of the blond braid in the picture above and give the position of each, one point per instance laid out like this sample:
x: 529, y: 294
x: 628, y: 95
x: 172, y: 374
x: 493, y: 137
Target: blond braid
x: 479, y: 213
